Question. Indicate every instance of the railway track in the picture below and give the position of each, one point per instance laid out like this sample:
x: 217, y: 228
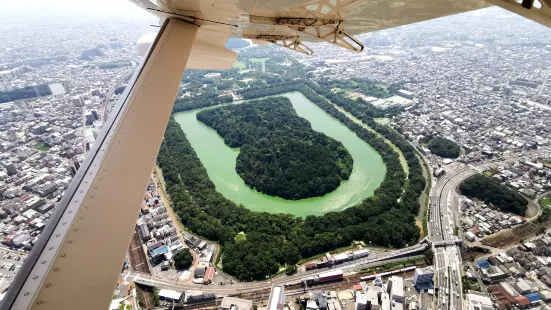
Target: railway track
x: 136, y: 255
x: 298, y: 289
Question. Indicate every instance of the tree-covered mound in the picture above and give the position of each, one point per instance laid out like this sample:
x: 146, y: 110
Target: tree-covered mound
x: 25, y: 93
x: 281, y: 155
x: 277, y: 240
x: 491, y: 191
x: 442, y: 147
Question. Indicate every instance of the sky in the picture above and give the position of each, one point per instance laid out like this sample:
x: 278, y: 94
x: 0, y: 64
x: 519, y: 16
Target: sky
x: 88, y: 8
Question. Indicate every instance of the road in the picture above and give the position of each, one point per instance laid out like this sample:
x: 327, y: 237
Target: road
x: 443, y: 218
x: 441, y: 225
x: 542, y: 87
x: 107, y: 102
x: 246, y: 287
x: 239, y: 288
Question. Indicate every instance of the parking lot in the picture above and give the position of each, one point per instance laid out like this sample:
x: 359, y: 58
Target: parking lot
x: 170, y: 273
x: 421, y: 298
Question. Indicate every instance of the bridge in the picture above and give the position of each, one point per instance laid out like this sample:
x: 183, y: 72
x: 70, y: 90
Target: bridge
x: 447, y: 242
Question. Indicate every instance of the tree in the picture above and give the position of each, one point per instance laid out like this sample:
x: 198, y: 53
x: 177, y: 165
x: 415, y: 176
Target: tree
x: 183, y: 259
x: 280, y: 155
x: 545, y: 214
x: 429, y: 256
x: 493, y: 192
x: 156, y: 301
x: 291, y: 269
x: 25, y: 93
x: 444, y: 148
x: 273, y: 240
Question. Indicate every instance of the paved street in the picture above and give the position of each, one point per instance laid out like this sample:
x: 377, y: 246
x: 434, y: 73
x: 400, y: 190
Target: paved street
x: 443, y: 218
x: 241, y: 287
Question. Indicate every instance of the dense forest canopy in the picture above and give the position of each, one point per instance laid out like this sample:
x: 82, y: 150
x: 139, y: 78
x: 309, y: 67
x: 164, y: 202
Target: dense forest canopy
x: 442, y: 147
x: 386, y: 219
x: 204, y: 100
x: 367, y: 87
x: 280, y: 153
x: 25, y: 93
x: 492, y: 192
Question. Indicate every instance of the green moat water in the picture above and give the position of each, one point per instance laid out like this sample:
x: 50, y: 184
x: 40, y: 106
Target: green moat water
x: 219, y: 160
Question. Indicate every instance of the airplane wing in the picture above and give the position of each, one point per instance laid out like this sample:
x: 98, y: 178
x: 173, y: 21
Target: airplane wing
x: 290, y: 23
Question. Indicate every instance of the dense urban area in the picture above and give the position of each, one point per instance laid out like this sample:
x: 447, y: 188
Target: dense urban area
x: 455, y: 112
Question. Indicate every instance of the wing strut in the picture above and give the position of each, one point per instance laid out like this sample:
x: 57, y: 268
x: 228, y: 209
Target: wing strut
x: 287, y: 41
x: 78, y: 258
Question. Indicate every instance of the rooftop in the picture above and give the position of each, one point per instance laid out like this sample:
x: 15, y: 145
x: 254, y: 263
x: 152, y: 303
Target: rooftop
x: 169, y: 294
x: 242, y: 304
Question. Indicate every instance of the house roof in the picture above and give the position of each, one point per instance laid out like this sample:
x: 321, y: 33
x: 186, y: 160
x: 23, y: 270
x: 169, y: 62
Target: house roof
x: 170, y: 294
x: 209, y: 275
x: 522, y: 300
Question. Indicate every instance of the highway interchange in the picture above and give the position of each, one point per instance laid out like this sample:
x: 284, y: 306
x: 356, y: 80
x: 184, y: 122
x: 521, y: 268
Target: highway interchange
x: 443, y: 218
x: 447, y: 258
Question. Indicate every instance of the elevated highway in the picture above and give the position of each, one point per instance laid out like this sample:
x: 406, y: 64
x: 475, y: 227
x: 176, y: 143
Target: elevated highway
x: 447, y: 256
x: 443, y: 218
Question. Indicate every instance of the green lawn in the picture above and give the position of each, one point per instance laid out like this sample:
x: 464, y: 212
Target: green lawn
x: 545, y: 202
x: 114, y: 64
x: 239, y: 65
x: 488, y: 173
x: 255, y: 60
x: 41, y: 147
x: 383, y: 120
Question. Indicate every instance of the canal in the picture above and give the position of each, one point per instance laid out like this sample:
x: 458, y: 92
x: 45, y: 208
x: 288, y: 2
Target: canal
x: 219, y: 161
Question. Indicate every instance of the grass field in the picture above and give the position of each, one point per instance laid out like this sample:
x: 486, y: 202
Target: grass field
x: 545, y: 202
x: 125, y: 307
x: 239, y: 65
x: 488, y: 173
x: 41, y: 147
x: 383, y: 120
x: 255, y: 60
x: 114, y: 64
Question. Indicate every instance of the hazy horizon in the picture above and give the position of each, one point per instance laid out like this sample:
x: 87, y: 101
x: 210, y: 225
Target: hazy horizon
x: 75, y: 8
